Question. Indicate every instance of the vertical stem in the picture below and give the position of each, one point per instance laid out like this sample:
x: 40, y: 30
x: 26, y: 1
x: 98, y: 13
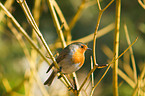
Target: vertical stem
x: 116, y: 48
x: 59, y: 31
x: 56, y: 23
x: 63, y: 20
x: 95, y: 36
x: 131, y: 53
x: 92, y: 72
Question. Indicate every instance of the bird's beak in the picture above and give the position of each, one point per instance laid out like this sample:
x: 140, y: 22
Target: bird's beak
x: 89, y: 49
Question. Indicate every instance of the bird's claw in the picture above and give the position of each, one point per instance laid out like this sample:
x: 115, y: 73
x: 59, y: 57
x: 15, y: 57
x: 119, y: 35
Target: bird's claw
x: 59, y: 76
x: 60, y: 69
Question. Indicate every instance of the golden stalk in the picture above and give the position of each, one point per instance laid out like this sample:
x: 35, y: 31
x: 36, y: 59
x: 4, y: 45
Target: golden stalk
x: 89, y: 38
x: 142, y: 4
x: 31, y: 60
x: 116, y: 48
x: 137, y: 87
x: 35, y: 27
x: 97, y: 26
x: 83, y: 5
x: 92, y: 73
x: 8, y: 5
x: 62, y: 18
x: 32, y: 43
x: 113, y: 60
x: 131, y: 53
x: 94, y: 41
x: 56, y: 23
x: 20, y: 40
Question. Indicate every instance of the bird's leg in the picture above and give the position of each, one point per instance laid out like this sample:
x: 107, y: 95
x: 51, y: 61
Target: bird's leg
x: 74, y: 83
x: 59, y: 76
x: 59, y: 71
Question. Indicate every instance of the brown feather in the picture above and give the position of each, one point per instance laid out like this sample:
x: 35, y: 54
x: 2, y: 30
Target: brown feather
x: 50, y: 79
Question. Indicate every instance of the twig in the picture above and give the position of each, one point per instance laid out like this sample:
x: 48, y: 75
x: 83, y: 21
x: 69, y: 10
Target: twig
x: 94, y: 42
x: 33, y: 58
x: 8, y: 88
x: 131, y: 53
x: 113, y: 60
x: 23, y: 32
x: 34, y: 25
x: 141, y: 3
x: 83, y: 5
x: 62, y: 18
x: 97, y: 26
x: 100, y: 33
x: 66, y: 28
x: 92, y: 76
x: 100, y: 79
x: 89, y: 38
x: 32, y: 43
x: 120, y: 72
x: 139, y: 82
x: 8, y: 5
x: 20, y: 40
x: 126, y: 78
x: 116, y: 47
x: 92, y: 73
x: 56, y: 23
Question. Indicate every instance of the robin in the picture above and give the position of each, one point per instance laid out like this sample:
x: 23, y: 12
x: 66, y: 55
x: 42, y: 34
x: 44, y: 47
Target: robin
x: 70, y: 60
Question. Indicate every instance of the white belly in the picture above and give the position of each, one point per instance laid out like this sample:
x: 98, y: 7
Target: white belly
x: 68, y: 67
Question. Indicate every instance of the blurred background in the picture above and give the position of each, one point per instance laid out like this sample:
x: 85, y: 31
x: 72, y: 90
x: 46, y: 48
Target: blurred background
x: 15, y: 70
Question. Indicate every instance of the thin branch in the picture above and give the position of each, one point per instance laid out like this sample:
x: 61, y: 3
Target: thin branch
x: 9, y: 90
x: 139, y: 82
x: 100, y: 33
x: 8, y: 5
x: 92, y: 76
x: 100, y: 79
x: 56, y: 23
x: 89, y: 38
x: 94, y: 45
x: 83, y: 5
x: 141, y: 3
x: 116, y: 47
x: 62, y: 18
x: 113, y: 60
x: 98, y: 2
x: 97, y: 26
x: 20, y: 40
x: 108, y: 5
x: 32, y: 43
x: 23, y: 32
x: 32, y: 22
x: 131, y: 52
x: 120, y: 72
x: 67, y: 30
x: 95, y: 36
x: 92, y: 73
x: 35, y: 27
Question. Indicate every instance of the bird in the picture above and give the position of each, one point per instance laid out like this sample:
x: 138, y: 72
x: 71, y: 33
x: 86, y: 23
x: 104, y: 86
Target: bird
x: 70, y: 59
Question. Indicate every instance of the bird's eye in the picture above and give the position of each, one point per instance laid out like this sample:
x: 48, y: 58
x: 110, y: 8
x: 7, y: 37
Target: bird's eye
x: 82, y: 46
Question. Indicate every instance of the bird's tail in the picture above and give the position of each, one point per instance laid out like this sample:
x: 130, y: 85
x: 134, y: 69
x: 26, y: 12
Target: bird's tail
x: 50, y: 79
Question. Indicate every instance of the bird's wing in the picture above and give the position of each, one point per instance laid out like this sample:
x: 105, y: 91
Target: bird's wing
x: 61, y: 56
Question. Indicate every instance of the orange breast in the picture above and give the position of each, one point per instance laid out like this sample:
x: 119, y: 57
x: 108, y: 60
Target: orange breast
x: 78, y: 57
